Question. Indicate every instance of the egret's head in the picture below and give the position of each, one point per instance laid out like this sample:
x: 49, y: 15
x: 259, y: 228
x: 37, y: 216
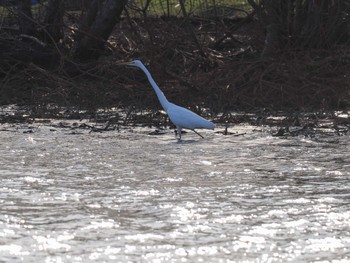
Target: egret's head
x: 136, y: 63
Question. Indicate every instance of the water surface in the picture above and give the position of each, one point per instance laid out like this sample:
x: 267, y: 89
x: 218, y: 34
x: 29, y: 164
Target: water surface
x: 128, y: 196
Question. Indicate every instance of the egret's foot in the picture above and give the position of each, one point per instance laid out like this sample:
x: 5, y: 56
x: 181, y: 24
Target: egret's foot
x: 178, y: 134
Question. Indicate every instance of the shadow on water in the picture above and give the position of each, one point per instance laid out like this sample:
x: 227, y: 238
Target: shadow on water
x: 187, y: 141
x: 125, y: 195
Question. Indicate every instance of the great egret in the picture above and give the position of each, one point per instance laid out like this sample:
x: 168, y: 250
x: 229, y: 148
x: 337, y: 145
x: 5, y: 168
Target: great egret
x: 181, y: 117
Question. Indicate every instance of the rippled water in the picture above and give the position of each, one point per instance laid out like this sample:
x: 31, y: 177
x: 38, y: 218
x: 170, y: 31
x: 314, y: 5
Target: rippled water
x: 127, y: 196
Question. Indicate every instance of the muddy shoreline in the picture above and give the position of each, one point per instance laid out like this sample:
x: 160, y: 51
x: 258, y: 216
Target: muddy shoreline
x: 280, y: 124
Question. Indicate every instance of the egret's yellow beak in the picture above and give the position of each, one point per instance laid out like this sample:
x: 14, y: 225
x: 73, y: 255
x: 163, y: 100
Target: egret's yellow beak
x: 125, y: 63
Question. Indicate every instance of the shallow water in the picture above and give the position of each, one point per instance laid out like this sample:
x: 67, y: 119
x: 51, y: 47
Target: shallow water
x: 128, y: 196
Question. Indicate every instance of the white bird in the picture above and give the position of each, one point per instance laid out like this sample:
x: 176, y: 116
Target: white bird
x: 181, y: 117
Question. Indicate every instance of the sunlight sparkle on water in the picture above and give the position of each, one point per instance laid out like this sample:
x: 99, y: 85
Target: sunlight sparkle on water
x: 15, y: 250
x: 125, y: 196
x: 47, y: 242
x: 102, y: 224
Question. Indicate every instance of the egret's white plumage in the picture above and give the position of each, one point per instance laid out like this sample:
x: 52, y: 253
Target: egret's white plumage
x: 181, y: 117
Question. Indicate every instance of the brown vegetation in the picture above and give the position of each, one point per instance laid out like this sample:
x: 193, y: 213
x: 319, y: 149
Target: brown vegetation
x: 199, y: 62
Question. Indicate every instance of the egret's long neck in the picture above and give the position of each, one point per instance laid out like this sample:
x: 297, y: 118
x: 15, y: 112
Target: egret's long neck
x: 162, y: 99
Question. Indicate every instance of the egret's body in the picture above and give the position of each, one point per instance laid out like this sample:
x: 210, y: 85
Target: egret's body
x: 181, y: 117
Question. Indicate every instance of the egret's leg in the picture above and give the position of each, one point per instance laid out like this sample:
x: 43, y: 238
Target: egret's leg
x: 198, y: 133
x: 179, y: 131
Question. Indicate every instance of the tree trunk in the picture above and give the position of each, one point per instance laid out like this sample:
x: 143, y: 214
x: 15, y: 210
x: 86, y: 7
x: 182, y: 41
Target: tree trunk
x: 272, y: 40
x: 89, y: 46
x: 88, y: 19
x: 25, y: 17
x: 54, y: 20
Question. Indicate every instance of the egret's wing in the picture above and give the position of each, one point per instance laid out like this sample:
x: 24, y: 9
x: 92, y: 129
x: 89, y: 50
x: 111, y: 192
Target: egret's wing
x: 185, y: 118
